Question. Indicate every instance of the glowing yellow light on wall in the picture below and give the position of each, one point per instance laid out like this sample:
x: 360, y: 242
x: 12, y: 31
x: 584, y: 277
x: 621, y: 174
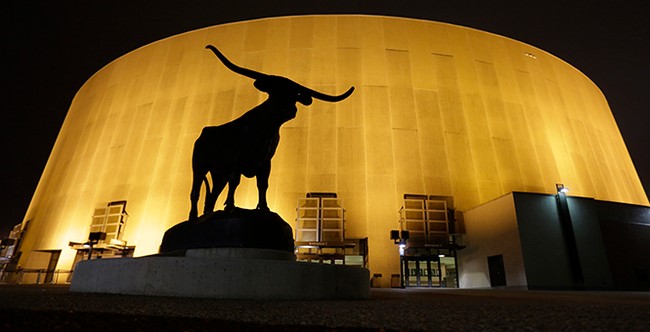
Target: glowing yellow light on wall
x: 438, y: 109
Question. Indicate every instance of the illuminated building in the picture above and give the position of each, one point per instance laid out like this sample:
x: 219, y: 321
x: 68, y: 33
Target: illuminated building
x: 438, y: 111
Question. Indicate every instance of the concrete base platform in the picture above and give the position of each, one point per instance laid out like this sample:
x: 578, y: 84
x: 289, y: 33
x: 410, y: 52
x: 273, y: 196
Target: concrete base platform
x: 224, y: 273
x: 240, y: 228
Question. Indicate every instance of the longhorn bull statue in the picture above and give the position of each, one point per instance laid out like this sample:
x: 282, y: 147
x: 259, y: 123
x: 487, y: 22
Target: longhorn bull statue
x: 246, y: 145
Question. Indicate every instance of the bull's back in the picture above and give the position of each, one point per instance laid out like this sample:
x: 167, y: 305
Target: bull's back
x: 214, y: 147
x: 239, y: 144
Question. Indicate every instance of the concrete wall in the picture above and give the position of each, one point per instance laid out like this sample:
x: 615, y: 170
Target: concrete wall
x: 491, y: 230
x: 591, y: 247
x: 525, y: 228
x: 546, y: 253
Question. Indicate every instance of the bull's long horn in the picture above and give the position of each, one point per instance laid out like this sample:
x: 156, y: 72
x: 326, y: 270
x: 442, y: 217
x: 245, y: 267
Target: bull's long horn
x: 239, y: 70
x: 330, y: 98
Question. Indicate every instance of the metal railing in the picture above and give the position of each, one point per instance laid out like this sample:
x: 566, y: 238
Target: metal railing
x: 35, y: 276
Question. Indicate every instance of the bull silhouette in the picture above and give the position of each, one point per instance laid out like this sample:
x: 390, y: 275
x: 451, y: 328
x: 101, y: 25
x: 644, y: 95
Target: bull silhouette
x: 246, y: 145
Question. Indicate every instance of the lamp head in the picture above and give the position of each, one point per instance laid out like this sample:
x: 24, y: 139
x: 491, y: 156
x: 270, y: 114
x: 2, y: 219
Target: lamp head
x: 561, y: 188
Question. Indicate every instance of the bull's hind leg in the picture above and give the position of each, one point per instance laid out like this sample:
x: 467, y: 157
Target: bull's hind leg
x: 232, y: 186
x: 218, y: 184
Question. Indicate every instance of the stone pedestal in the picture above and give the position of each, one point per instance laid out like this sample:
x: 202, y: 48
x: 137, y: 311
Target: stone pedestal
x: 224, y: 273
x: 240, y: 228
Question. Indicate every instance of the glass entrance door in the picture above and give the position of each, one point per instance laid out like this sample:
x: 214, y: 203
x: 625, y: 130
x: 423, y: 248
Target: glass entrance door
x: 422, y: 272
x: 413, y: 273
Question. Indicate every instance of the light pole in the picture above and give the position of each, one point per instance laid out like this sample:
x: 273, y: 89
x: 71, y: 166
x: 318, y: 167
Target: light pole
x: 569, y: 234
x: 400, y: 238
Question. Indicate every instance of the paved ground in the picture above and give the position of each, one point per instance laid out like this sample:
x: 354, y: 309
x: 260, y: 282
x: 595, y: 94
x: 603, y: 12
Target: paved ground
x: 54, y: 308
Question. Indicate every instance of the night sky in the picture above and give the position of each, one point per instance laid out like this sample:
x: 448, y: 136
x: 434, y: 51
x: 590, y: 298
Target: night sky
x: 53, y: 48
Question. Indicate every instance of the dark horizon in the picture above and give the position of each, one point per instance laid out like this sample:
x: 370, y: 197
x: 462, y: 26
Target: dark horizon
x: 54, y: 48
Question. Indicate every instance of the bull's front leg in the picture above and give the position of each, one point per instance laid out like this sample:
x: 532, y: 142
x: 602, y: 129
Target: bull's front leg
x: 262, y: 178
x: 232, y: 186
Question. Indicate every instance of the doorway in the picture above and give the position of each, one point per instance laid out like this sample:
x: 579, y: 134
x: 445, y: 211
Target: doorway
x: 422, y: 272
x: 497, y: 271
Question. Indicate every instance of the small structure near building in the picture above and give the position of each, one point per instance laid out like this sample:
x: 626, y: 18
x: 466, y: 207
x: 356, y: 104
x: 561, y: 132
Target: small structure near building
x: 320, y: 232
x: 9, y: 255
x: 521, y: 240
x: 105, y: 237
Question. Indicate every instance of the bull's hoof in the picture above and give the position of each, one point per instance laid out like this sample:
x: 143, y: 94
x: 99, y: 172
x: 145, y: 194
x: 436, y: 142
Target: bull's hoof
x: 229, y: 208
x: 240, y: 228
x: 194, y: 215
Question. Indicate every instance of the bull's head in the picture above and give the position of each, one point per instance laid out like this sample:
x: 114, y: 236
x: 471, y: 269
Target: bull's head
x: 279, y: 87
